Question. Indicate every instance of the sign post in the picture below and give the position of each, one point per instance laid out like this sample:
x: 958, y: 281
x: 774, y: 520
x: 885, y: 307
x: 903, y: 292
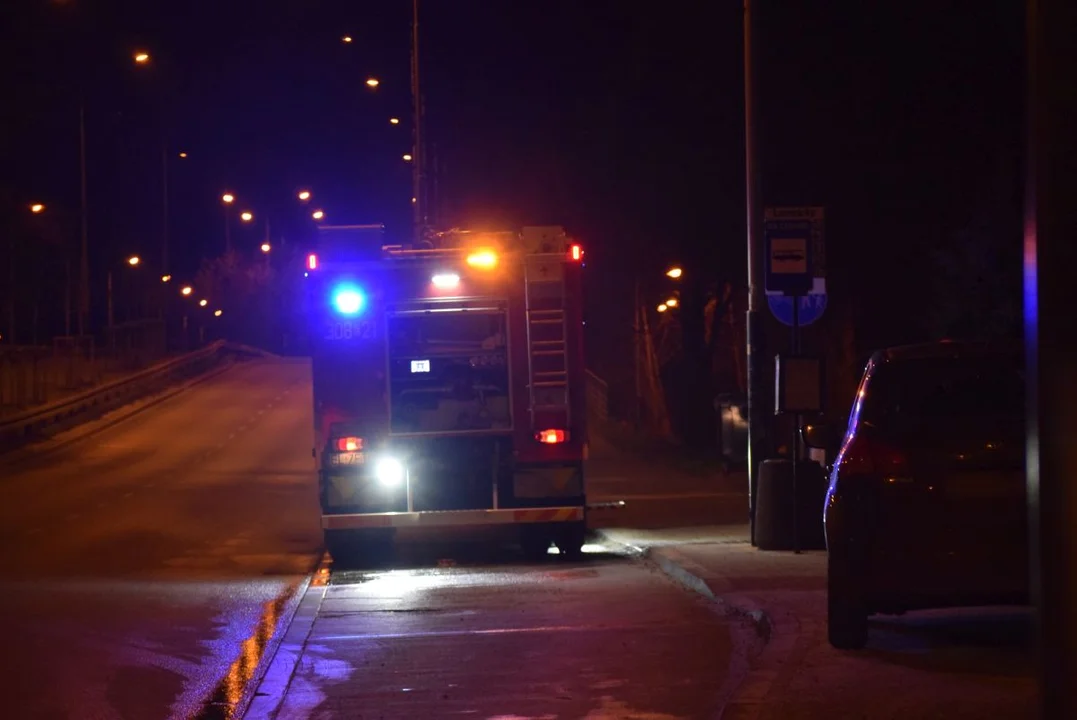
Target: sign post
x: 795, y: 271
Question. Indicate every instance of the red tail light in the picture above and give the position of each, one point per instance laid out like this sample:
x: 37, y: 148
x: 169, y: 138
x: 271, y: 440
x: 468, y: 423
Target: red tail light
x: 348, y: 444
x: 575, y: 253
x: 312, y: 262
x: 551, y: 437
x: 864, y: 456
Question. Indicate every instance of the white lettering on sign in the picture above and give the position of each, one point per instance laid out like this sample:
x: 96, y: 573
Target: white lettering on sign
x: 789, y: 256
x: 420, y: 366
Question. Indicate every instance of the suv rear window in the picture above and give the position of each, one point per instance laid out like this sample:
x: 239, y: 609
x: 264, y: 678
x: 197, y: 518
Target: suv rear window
x: 945, y: 388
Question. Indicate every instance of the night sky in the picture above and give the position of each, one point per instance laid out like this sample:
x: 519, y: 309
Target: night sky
x: 622, y: 121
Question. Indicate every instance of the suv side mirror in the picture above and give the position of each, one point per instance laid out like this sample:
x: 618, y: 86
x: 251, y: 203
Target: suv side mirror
x: 820, y: 436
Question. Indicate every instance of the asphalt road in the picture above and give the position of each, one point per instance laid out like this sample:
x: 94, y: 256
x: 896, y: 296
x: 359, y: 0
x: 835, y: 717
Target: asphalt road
x: 458, y: 631
x: 139, y: 562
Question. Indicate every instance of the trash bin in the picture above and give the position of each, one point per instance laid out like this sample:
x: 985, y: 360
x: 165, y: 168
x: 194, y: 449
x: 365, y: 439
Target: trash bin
x: 774, y: 513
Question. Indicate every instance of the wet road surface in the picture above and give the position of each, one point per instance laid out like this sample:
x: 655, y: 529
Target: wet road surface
x: 466, y: 632
x: 142, y: 562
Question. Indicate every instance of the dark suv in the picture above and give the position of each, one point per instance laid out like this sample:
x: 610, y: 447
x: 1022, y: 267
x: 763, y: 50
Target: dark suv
x: 926, y: 504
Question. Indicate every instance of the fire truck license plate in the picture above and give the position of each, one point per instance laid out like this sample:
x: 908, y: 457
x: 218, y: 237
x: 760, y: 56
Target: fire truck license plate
x: 351, y: 330
x: 348, y: 458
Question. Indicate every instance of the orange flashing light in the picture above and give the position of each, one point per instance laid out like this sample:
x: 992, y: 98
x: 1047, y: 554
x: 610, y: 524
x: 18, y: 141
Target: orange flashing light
x: 551, y: 437
x: 482, y: 259
x: 349, y: 444
x: 575, y: 253
x: 312, y: 262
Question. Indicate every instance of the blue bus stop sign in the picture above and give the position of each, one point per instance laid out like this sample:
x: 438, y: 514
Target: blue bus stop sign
x: 811, y: 308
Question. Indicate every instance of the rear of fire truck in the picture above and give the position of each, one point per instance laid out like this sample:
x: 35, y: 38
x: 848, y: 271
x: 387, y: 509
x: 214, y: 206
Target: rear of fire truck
x: 448, y: 387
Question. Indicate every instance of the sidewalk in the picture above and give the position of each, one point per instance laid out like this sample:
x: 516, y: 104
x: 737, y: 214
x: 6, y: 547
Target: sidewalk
x: 940, y: 664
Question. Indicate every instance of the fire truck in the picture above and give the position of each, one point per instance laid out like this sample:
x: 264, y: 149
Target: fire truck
x: 448, y: 384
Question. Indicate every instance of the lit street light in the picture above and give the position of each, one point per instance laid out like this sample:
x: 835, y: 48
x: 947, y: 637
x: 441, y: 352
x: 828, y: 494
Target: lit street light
x: 372, y: 82
x: 186, y: 291
x: 134, y: 260
x: 674, y: 272
x: 346, y: 39
x: 183, y: 155
x: 317, y: 214
x: 672, y: 302
x: 166, y: 278
x: 203, y: 303
x: 142, y: 58
x: 37, y: 208
x: 394, y: 121
x: 266, y: 247
x: 662, y: 308
x: 246, y: 216
x: 304, y: 195
x: 218, y: 313
x: 407, y: 157
x: 228, y: 198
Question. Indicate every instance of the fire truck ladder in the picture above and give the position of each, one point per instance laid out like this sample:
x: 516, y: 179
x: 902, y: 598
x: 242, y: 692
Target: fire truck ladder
x: 547, y: 336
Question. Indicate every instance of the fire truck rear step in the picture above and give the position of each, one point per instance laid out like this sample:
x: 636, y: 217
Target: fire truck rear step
x: 445, y: 518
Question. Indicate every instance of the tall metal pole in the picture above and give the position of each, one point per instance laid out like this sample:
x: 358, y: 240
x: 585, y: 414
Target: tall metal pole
x: 418, y: 202
x: 84, y: 257
x: 757, y: 366
x: 1049, y: 258
x: 164, y: 205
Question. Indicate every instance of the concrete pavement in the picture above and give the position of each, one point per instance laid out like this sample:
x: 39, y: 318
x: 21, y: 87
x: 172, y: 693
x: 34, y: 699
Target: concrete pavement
x: 968, y: 663
x: 149, y: 564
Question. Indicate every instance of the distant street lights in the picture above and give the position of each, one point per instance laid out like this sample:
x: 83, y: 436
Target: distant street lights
x: 394, y: 121
x: 675, y: 273
x: 183, y: 155
x: 166, y: 278
x: 317, y: 214
x: 203, y: 303
x: 346, y: 39
x: 142, y: 58
x: 372, y: 82
x: 407, y: 157
x: 186, y: 291
x: 662, y: 308
x: 37, y: 208
x: 304, y: 195
x: 246, y: 216
x: 134, y: 260
x: 228, y: 198
x: 266, y: 247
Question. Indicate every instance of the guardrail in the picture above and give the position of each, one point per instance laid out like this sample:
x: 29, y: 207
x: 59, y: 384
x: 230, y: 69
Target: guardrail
x: 598, y: 397
x: 39, y: 423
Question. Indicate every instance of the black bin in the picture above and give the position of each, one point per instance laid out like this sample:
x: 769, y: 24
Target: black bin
x: 775, y: 509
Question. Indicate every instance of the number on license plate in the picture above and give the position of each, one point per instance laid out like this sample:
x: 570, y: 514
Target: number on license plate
x: 348, y: 458
x: 359, y: 330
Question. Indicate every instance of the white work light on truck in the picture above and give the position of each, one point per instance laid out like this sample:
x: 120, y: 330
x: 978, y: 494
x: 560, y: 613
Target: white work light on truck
x: 389, y: 471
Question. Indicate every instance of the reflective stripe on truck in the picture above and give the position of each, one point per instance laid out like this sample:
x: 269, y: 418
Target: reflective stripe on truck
x: 442, y: 518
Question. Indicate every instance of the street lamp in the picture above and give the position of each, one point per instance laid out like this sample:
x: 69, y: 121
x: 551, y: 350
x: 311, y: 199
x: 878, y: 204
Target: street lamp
x: 346, y: 39
x: 134, y: 260
x: 203, y: 303
x: 317, y: 214
x: 372, y: 82
x: 266, y: 247
x: 166, y: 278
x: 672, y: 302
x: 183, y: 155
x: 304, y: 195
x: 218, y: 313
x: 228, y: 198
x: 37, y: 208
x: 246, y: 216
x: 142, y: 58
x: 186, y: 291
x: 674, y: 272
x: 394, y: 121
x: 407, y: 157
x: 662, y: 308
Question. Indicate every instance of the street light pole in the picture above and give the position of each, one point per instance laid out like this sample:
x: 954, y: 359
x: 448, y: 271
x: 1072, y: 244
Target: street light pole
x: 418, y: 201
x: 1051, y: 346
x: 164, y: 203
x: 756, y: 346
x: 84, y: 258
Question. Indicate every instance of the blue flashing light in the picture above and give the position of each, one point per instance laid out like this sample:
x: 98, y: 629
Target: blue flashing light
x: 348, y: 300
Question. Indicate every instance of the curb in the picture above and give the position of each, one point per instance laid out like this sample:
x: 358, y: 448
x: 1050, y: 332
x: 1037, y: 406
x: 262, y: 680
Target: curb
x: 267, y: 693
x: 686, y: 573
